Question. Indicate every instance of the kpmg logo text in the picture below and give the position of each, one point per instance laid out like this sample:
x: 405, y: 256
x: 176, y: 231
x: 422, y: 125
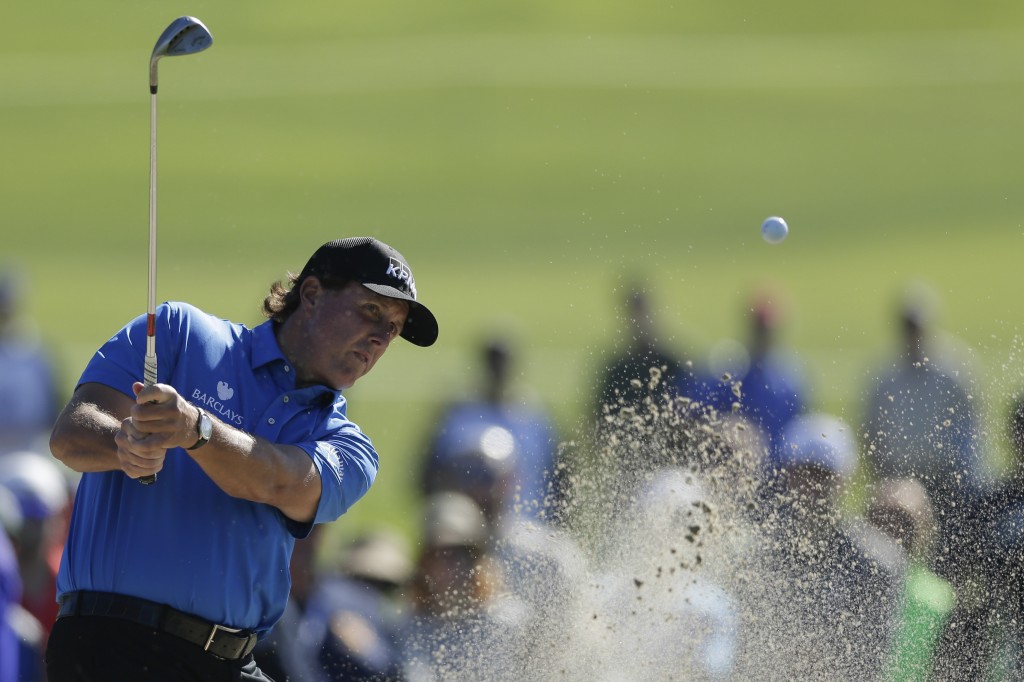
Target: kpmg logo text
x: 401, y: 272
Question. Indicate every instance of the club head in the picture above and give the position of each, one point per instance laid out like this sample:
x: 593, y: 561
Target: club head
x: 185, y: 35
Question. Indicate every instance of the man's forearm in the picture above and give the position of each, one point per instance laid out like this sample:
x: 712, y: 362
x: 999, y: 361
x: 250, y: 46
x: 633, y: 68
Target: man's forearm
x: 253, y: 468
x: 83, y: 438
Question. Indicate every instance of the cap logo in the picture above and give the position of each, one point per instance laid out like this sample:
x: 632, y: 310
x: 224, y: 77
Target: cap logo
x: 402, y: 273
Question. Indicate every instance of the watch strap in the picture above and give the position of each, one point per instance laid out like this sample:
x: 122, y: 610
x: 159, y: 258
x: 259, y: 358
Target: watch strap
x: 204, y: 437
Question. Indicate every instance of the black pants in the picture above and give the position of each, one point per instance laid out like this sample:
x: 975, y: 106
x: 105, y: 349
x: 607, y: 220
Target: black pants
x: 97, y: 649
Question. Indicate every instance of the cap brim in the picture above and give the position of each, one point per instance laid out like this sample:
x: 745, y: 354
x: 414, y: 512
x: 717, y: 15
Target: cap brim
x: 420, y: 326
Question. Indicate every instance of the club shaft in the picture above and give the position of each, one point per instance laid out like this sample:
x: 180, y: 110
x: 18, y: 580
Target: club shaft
x: 150, y: 366
x: 185, y: 35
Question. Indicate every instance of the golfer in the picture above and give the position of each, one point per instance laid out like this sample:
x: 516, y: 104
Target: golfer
x: 246, y: 431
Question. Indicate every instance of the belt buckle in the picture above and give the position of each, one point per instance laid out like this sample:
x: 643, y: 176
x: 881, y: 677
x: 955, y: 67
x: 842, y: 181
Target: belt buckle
x: 213, y: 633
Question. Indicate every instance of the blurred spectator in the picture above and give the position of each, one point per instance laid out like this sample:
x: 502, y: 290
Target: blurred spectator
x: 665, y: 607
x: 10, y: 589
x: 920, y: 421
x: 986, y: 632
x: 460, y: 627
x: 41, y: 489
x: 644, y: 367
x: 21, y: 635
x: 643, y: 410
x: 540, y: 563
x: 497, y: 404
x: 340, y: 625
x: 765, y: 380
x: 358, y: 615
x: 746, y: 464
x: 543, y: 567
x: 831, y: 583
x: 28, y: 380
x: 900, y: 508
x: 482, y: 466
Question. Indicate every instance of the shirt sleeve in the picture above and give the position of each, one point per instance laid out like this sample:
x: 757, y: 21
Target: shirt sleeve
x: 347, y: 463
x: 119, y: 362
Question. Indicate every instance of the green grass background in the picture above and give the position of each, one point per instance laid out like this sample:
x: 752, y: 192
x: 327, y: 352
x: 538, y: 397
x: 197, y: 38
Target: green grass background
x: 529, y: 158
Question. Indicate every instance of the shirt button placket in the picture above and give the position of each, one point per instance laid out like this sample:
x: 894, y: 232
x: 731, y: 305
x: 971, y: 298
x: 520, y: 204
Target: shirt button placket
x: 274, y: 419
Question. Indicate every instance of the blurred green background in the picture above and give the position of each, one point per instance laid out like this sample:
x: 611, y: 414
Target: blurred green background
x: 529, y: 158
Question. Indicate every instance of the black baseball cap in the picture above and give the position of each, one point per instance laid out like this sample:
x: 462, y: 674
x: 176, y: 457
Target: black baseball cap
x: 381, y: 269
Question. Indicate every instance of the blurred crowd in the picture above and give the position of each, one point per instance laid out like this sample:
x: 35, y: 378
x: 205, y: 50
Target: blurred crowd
x: 35, y: 492
x: 711, y: 522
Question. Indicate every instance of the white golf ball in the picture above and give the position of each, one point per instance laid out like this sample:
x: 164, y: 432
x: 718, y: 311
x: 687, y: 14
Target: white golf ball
x: 774, y: 229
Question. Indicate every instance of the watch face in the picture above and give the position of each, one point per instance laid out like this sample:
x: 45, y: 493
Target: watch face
x: 205, y: 426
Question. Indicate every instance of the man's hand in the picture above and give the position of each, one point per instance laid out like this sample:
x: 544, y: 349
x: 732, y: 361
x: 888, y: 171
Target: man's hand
x: 159, y: 420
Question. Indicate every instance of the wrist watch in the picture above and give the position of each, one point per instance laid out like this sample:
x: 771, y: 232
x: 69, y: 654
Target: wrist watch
x: 204, y: 427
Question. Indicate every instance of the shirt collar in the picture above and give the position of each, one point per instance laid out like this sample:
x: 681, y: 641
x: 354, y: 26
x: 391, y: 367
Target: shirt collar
x: 264, y: 346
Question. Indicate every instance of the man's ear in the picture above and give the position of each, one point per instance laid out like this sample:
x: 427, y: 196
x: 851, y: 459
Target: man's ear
x: 310, y: 290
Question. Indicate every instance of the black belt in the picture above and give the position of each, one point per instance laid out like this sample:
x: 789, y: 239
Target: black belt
x: 223, y: 642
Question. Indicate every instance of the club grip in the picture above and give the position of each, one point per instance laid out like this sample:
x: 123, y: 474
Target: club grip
x: 149, y: 370
x: 149, y: 378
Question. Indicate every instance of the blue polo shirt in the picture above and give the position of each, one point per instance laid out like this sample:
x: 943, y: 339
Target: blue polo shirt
x: 183, y: 541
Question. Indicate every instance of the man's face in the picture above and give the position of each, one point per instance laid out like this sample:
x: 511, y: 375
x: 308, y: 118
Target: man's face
x: 345, y: 331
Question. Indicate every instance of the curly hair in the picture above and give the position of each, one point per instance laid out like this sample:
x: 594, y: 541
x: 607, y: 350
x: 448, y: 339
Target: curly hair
x: 283, y: 299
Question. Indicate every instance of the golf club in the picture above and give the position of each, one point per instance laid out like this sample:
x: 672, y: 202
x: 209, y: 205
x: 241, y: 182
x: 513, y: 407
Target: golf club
x: 185, y: 35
